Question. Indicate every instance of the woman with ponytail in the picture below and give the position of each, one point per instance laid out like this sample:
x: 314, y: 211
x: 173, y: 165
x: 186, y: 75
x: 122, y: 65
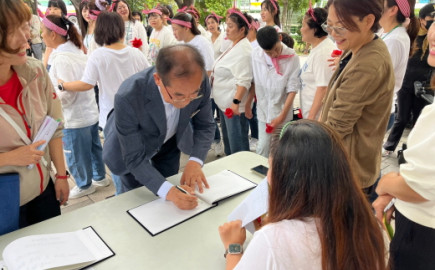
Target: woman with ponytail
x: 81, y: 141
x: 398, y: 40
x: 270, y: 14
x: 417, y: 70
x: 186, y: 30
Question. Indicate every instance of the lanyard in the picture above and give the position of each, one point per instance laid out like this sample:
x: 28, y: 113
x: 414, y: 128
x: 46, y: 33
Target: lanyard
x: 390, y: 31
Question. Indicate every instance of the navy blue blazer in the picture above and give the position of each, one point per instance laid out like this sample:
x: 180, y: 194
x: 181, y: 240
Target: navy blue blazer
x: 136, y: 129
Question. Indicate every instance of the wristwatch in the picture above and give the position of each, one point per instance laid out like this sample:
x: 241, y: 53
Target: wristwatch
x: 236, y: 101
x: 234, y: 249
x: 60, y: 86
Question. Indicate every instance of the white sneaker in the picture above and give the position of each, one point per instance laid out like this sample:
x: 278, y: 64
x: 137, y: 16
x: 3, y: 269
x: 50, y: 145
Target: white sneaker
x: 218, y: 149
x: 387, y: 153
x: 253, y: 144
x: 77, y: 192
x: 101, y: 183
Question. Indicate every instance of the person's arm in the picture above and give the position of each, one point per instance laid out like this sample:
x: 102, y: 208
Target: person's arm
x: 22, y: 156
x: 249, y: 100
x: 285, y: 110
x: 142, y: 34
x: 60, y: 185
x: 242, y: 72
x: 47, y: 53
x: 203, y: 133
x: 240, y: 93
x: 395, y: 185
x: 232, y: 233
x: 317, y: 102
x: 78, y: 86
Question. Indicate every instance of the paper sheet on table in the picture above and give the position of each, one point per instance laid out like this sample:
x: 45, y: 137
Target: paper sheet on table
x: 71, y: 250
x: 254, y: 206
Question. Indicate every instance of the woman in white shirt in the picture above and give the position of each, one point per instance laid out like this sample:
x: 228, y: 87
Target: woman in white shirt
x: 212, y: 22
x: 413, y: 187
x: 316, y: 73
x: 87, y: 17
x: 161, y: 36
x: 270, y: 14
x: 231, y: 78
x: 81, y: 141
x: 134, y: 30
x: 318, y: 217
x: 108, y: 66
x: 398, y: 39
x: 185, y: 30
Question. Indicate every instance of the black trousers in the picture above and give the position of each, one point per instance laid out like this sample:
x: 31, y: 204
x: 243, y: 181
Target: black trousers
x: 166, y: 161
x: 413, y: 245
x: 43, y: 207
x: 407, y: 103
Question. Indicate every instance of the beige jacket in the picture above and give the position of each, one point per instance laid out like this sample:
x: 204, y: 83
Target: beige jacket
x: 37, y: 100
x: 358, y: 106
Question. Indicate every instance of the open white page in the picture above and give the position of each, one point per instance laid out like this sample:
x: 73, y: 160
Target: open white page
x: 254, y: 206
x: 46, y: 251
x: 224, y: 185
x: 160, y: 214
x: 71, y: 250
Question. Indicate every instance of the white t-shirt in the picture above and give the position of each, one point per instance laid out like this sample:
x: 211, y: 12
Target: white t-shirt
x: 79, y: 108
x: 136, y: 30
x: 232, y: 68
x: 315, y: 73
x: 217, y: 45
x: 419, y: 171
x: 203, y: 32
x: 284, y: 245
x: 160, y: 39
x: 272, y: 88
x: 205, y: 49
x: 110, y: 68
x: 398, y: 45
x: 90, y: 44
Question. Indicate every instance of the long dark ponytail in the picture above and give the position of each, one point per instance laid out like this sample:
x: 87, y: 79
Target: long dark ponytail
x: 72, y: 33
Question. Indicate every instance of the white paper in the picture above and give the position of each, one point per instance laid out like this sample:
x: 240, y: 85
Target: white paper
x: 71, y: 250
x: 160, y: 214
x: 223, y: 185
x: 45, y: 132
x: 254, y: 206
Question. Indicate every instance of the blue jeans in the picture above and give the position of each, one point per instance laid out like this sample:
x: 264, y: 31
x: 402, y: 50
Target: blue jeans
x: 118, y: 184
x: 37, y: 50
x: 84, y: 154
x: 235, y: 133
x: 253, y: 122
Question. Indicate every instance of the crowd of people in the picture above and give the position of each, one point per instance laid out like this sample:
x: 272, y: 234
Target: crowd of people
x: 161, y: 91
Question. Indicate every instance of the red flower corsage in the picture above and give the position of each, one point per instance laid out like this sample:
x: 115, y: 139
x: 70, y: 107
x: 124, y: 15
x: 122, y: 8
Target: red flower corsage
x: 229, y: 113
x: 269, y: 128
x: 136, y: 42
x: 336, y: 53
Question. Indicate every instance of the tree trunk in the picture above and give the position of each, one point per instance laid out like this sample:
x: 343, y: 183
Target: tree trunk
x: 284, y: 14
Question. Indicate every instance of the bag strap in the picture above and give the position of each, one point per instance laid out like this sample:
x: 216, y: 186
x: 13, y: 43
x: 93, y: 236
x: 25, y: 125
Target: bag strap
x: 20, y: 132
x: 15, y: 126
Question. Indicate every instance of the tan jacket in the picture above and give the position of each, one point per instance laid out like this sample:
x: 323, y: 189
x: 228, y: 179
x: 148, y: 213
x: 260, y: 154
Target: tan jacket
x: 37, y: 100
x: 358, y: 106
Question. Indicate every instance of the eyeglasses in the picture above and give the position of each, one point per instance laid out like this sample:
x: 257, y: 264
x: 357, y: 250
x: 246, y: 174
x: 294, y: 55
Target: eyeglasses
x: 338, y: 30
x: 197, y: 95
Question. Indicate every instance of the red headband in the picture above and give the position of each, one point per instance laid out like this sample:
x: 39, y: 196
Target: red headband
x: 233, y: 10
x: 181, y: 22
x: 404, y: 7
x: 154, y: 10
x: 311, y: 12
x: 53, y: 27
x: 218, y: 18
x: 274, y: 4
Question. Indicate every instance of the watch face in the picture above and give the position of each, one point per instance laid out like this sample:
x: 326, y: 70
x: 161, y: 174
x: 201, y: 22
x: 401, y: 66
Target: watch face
x: 235, y: 248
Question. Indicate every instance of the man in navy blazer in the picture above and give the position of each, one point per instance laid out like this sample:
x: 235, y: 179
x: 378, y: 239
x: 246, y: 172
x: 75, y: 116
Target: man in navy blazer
x: 157, y: 113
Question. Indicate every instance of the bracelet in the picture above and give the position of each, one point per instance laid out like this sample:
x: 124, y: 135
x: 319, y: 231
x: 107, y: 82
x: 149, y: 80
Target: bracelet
x: 63, y: 177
